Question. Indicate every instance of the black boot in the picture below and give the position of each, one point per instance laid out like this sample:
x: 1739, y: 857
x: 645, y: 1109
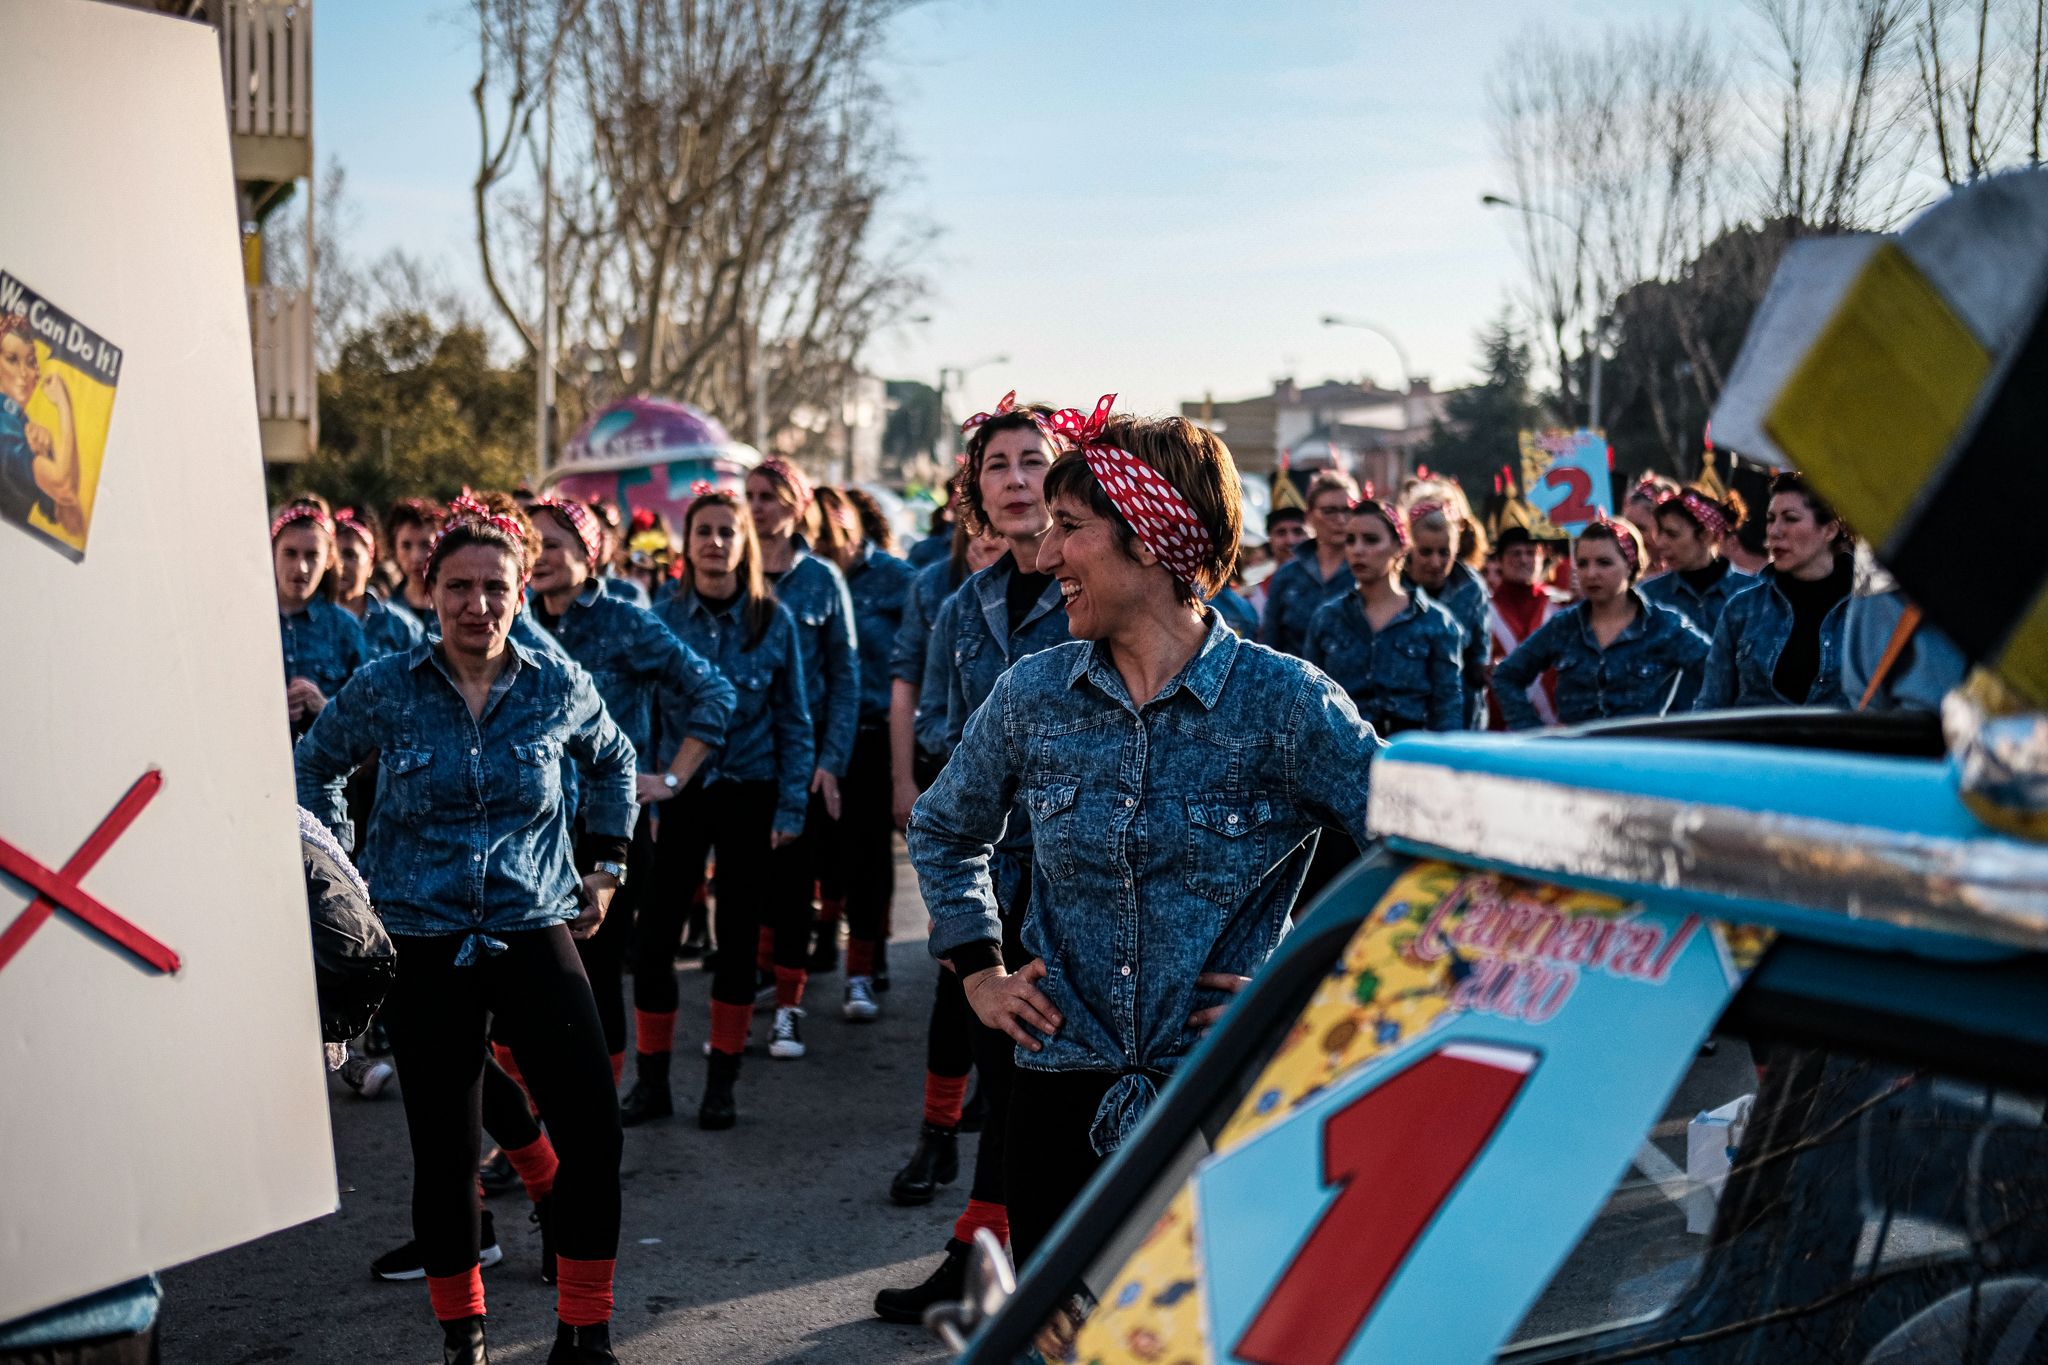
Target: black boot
x: 462, y: 1342
x: 542, y: 1212
x: 718, y: 1110
x: 583, y: 1345
x: 649, y: 1097
x: 948, y: 1282
x: 936, y: 1162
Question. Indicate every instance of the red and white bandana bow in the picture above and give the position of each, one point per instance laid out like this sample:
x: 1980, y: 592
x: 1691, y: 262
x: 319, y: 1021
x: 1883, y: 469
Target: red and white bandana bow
x: 1624, y: 539
x: 1165, y: 523
x: 1004, y: 408
x: 582, y: 521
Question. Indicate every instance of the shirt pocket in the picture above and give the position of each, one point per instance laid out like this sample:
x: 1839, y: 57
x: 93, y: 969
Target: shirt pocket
x: 403, y: 780
x: 1051, y: 806
x: 1228, y: 838
x: 537, y: 770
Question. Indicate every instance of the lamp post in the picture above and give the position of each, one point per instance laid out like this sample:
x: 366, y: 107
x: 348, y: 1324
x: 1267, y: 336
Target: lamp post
x: 959, y: 372
x: 1593, y: 342
x: 1400, y: 352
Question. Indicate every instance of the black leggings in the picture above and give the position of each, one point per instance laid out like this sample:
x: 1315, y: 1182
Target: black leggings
x: 995, y: 1057
x: 859, y: 859
x: 1048, y: 1159
x: 544, y: 1011
x: 736, y: 819
x: 604, y: 952
x: 792, y: 883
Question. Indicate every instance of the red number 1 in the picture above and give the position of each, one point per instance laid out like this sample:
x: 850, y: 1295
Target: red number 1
x: 1578, y: 501
x: 1393, y: 1155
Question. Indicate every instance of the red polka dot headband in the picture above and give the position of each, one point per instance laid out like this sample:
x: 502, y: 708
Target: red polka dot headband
x: 1709, y: 515
x: 1004, y: 408
x: 1623, y: 534
x: 1388, y: 513
x: 301, y: 511
x: 582, y: 521
x: 346, y: 520
x: 465, y: 507
x: 1164, y: 521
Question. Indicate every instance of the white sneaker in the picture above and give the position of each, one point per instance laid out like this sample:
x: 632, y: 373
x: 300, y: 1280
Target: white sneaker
x: 366, y: 1076
x: 788, y: 1040
x: 860, y: 1007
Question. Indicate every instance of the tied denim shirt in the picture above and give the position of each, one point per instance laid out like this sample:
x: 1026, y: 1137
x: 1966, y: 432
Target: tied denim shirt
x: 1294, y: 592
x: 323, y: 644
x: 1635, y: 675
x: 1172, y: 838
x: 1752, y: 633
x: 1702, y: 608
x: 639, y: 664
x: 880, y: 585
x: 817, y: 599
x: 471, y: 834
x: 770, y: 737
x: 1403, y: 677
x: 389, y: 628
x: 1465, y: 597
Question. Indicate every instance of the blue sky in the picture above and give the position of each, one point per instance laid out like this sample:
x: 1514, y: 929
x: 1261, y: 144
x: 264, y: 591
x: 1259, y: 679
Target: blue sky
x: 1159, y: 198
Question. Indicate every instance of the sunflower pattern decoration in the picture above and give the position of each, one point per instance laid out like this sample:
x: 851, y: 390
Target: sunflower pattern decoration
x: 1396, y: 980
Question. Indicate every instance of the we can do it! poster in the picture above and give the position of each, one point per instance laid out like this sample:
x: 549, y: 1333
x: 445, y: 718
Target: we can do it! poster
x: 57, y: 382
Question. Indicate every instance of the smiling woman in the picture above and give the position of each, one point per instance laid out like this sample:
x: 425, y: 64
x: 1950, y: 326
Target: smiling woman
x: 1175, y: 777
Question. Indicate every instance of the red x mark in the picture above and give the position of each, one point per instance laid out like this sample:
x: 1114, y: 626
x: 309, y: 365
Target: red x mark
x: 60, y: 889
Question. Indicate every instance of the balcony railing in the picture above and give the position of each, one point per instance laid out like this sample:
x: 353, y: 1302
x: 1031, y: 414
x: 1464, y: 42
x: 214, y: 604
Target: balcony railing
x: 267, y: 63
x: 281, y: 326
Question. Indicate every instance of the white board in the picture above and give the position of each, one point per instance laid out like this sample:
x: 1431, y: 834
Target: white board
x: 145, y: 1118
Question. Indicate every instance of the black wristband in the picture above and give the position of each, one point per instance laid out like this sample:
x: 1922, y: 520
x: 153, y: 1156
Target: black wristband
x: 593, y: 849
x: 970, y: 958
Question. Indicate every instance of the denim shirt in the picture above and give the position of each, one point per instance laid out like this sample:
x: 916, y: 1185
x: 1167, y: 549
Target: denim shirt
x: 322, y: 643
x: 880, y: 586
x: 1703, y: 609
x: 1464, y: 595
x: 627, y: 590
x: 1635, y: 675
x: 1751, y: 635
x: 770, y: 737
x: 389, y: 627
x: 817, y: 599
x: 471, y: 834
x: 1403, y: 677
x: 1294, y: 592
x: 639, y: 664
x: 1237, y: 613
x: 1172, y: 838
x: 930, y: 550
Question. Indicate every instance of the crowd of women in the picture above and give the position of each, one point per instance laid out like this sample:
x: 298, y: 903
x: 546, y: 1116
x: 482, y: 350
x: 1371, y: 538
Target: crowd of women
x: 568, y: 751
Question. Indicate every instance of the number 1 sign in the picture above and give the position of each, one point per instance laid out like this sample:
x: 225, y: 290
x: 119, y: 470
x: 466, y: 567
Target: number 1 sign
x: 1566, y: 476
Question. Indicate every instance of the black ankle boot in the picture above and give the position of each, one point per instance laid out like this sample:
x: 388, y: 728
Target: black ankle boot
x: 462, y: 1342
x: 582, y: 1345
x: 718, y: 1109
x: 936, y: 1162
x: 649, y: 1097
x: 948, y: 1282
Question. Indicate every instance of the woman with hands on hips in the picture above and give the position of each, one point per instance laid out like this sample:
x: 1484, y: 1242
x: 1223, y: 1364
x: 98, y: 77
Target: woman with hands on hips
x: 471, y: 867
x: 1175, y: 777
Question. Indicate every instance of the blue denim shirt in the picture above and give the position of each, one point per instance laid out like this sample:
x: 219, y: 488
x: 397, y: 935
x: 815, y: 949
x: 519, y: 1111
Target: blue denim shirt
x: 627, y: 590
x: 1635, y: 675
x: 930, y: 550
x: 1703, y: 609
x: 1294, y: 592
x: 1751, y: 635
x: 1237, y: 613
x: 389, y: 627
x: 817, y: 599
x: 880, y: 586
x: 929, y: 590
x: 323, y: 644
x: 1405, y: 677
x: 1464, y: 595
x: 638, y: 665
x: 770, y: 737
x: 1172, y: 838
x: 471, y: 834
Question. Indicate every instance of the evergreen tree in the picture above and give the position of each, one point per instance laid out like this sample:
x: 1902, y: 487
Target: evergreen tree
x: 1479, y: 430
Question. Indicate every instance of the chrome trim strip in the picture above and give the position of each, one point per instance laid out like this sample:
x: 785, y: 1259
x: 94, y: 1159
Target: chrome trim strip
x: 1992, y: 888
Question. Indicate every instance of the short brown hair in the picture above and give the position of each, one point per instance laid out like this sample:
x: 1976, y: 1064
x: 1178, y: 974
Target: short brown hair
x: 1612, y: 530
x: 967, y: 478
x: 1198, y: 465
x: 1327, y: 479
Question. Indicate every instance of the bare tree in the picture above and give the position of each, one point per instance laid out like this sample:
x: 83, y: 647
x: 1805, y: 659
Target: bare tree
x: 1982, y: 80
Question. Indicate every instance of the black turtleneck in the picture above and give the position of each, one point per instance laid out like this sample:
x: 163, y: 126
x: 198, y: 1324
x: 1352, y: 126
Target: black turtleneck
x: 1024, y: 591
x: 1700, y: 580
x: 1811, y: 602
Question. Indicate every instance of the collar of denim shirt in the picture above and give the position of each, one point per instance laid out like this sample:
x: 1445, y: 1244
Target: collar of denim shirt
x: 518, y: 657
x: 992, y: 595
x: 1202, y: 677
x: 1641, y: 625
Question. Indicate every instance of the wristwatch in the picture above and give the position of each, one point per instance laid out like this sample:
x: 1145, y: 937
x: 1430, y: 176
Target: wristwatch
x: 671, y: 781
x: 616, y: 871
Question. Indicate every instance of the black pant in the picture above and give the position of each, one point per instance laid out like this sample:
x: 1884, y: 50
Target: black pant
x: 859, y: 862
x: 948, y: 1042
x: 793, y: 881
x: 736, y: 819
x: 505, y: 1114
x: 1048, y: 1159
x: 544, y: 1011
x: 604, y: 952
x: 995, y: 1057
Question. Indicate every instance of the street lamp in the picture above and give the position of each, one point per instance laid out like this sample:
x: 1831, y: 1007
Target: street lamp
x: 1587, y: 339
x: 959, y: 372
x: 1400, y: 352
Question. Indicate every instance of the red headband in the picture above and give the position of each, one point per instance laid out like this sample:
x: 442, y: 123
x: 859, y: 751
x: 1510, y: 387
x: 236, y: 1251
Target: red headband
x: 345, y: 520
x: 1624, y: 540
x: 1708, y: 514
x: 1648, y: 490
x: 1388, y: 513
x: 582, y: 521
x: 465, y: 507
x: 1004, y: 408
x: 786, y: 473
x: 1429, y: 505
x: 1166, y: 524
x: 301, y: 511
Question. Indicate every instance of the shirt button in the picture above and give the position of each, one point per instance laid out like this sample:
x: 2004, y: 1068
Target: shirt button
x: 473, y: 753
x: 1130, y: 801
x: 478, y: 857
x: 1127, y: 969
x: 1230, y: 820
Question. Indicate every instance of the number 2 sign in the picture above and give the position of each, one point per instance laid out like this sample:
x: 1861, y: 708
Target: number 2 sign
x: 1566, y: 475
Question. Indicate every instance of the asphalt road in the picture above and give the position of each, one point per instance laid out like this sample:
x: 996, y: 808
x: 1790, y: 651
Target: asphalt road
x: 764, y: 1243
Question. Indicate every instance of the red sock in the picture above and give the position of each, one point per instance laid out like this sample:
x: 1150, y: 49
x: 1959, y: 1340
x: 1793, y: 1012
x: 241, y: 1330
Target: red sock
x: 944, y: 1097
x: 583, y: 1291
x: 982, y: 1214
x: 729, y: 1025
x: 510, y: 1066
x: 536, y: 1165
x: 456, y: 1297
x: 654, y: 1031
x: 789, y: 986
x: 860, y: 957
x: 764, y: 948
x: 618, y: 1068
x: 829, y: 911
